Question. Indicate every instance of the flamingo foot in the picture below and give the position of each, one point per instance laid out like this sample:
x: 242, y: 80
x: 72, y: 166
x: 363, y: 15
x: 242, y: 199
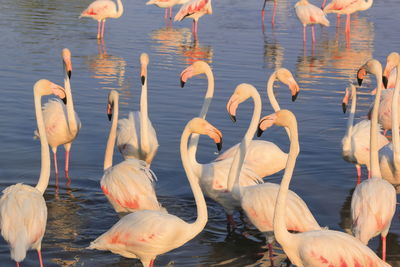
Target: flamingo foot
x: 271, y: 254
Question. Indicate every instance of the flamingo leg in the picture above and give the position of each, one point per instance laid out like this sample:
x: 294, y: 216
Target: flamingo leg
x: 384, y: 248
x: 17, y: 264
x: 151, y: 263
x: 170, y: 13
x: 273, y: 14
x: 166, y: 13
x: 358, y: 167
x: 98, y: 29
x: 348, y: 23
x: 271, y: 254
x: 304, y: 34
x: 231, y: 222
x: 66, y: 162
x: 263, y: 9
x: 313, y: 33
x: 323, y: 4
x: 369, y: 174
x: 40, y: 258
x: 55, y: 162
x: 102, y: 28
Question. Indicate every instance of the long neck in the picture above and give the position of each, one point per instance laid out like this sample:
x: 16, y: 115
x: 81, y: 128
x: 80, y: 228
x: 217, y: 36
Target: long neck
x: 108, y: 157
x: 271, y: 95
x: 144, y: 119
x: 120, y: 9
x: 202, y: 215
x: 282, y: 235
x: 374, y: 158
x: 350, y: 121
x: 194, y: 139
x: 234, y: 172
x: 70, y: 105
x: 45, y: 154
x: 395, y: 123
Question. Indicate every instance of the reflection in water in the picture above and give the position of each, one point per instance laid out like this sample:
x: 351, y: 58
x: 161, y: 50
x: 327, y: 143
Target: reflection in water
x: 273, y: 52
x: 345, y: 214
x: 179, y: 41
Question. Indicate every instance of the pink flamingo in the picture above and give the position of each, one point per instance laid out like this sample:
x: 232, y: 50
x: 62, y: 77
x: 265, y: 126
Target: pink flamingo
x: 371, y: 213
x: 146, y: 234
x: 273, y: 12
x: 347, y: 7
x: 318, y: 247
x: 310, y: 14
x: 128, y: 185
x: 194, y: 9
x: 167, y: 4
x: 23, y: 210
x: 101, y: 10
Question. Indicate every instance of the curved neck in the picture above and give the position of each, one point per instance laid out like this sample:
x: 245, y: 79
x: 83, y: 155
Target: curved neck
x: 70, y: 105
x: 282, y: 235
x: 108, y: 157
x: 234, y: 172
x: 45, y: 153
x: 271, y: 96
x: 120, y: 9
x: 202, y: 215
x: 144, y: 118
x: 350, y: 121
x: 374, y: 158
x: 395, y: 122
x: 194, y: 139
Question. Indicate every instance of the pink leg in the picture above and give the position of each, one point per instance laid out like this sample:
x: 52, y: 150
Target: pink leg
x: 358, y: 167
x: 151, y: 263
x: 98, y: 29
x: 384, y: 248
x: 337, y: 20
x: 17, y: 264
x: 323, y: 4
x: 369, y: 174
x: 313, y: 34
x: 273, y: 14
x: 55, y: 162
x: 170, y: 13
x: 66, y: 162
x: 271, y: 254
x: 231, y: 222
x: 348, y: 23
x: 263, y: 10
x: 304, y: 34
x: 40, y: 258
x: 102, y: 29
x: 166, y: 13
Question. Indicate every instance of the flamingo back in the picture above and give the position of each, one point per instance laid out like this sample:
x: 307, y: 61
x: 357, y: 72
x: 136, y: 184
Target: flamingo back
x: 23, y: 216
x: 310, y: 14
x: 194, y: 9
x: 100, y: 9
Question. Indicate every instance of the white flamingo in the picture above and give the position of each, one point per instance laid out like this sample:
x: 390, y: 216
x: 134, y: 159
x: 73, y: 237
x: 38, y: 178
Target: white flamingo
x: 147, y: 234
x: 258, y: 201
x: 61, y: 121
x: 23, y: 211
x: 136, y: 136
x: 370, y: 211
x: 319, y: 247
x: 129, y: 185
x: 355, y: 143
x: 167, y: 4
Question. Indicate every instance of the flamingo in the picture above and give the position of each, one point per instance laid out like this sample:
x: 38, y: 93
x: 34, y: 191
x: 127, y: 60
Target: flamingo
x: 136, y: 137
x: 167, y: 4
x: 146, y: 234
x: 273, y: 12
x: 355, y: 143
x: 309, y: 14
x: 129, y: 184
x: 372, y: 214
x: 23, y: 211
x: 319, y: 247
x: 258, y: 201
x: 101, y: 10
x: 347, y: 7
x: 61, y: 121
x: 194, y: 9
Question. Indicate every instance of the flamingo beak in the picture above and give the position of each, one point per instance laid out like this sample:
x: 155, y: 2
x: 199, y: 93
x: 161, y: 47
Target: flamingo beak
x: 219, y: 146
x: 231, y: 106
x: 344, y: 107
x: 143, y: 79
x: 360, y: 75
x: 109, y: 112
x: 69, y: 74
x: 259, y: 131
x: 295, y: 96
x: 182, y: 83
x: 385, y: 81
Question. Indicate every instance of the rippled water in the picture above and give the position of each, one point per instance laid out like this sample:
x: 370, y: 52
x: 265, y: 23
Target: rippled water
x: 240, y: 49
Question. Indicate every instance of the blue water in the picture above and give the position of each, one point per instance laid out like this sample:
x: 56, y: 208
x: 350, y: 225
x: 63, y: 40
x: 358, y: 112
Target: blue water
x: 240, y: 49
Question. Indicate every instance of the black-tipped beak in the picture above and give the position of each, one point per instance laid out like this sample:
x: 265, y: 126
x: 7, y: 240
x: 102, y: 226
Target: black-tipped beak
x: 233, y: 117
x: 295, y: 96
x: 182, y: 84
x: 64, y: 100
x: 344, y: 107
x: 259, y: 132
x: 359, y: 81
x: 109, y: 116
x: 143, y: 79
x: 69, y: 74
x: 219, y: 146
x: 385, y: 81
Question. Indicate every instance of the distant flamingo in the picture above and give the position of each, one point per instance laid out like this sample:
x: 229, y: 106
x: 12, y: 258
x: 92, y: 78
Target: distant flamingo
x: 23, y: 211
x: 61, y: 121
x: 347, y: 7
x: 371, y: 213
x: 147, y: 234
x: 309, y: 14
x: 273, y: 12
x: 129, y: 184
x: 318, y: 247
x: 389, y: 155
x: 355, y: 143
x: 101, y: 10
x: 136, y: 136
x: 194, y: 9
x: 167, y: 4
x: 258, y: 201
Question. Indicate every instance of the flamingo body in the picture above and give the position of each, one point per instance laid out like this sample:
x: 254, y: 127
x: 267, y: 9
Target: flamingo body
x: 310, y: 14
x: 346, y: 7
x: 194, y: 9
x: 385, y: 109
x: 23, y: 216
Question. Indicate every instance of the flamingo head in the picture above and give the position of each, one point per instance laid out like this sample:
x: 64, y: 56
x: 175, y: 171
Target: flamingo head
x: 144, y: 61
x: 286, y: 77
x: 112, y: 98
x: 392, y: 60
x: 241, y: 94
x: 371, y: 66
x: 202, y: 126
x: 46, y: 87
x: 281, y: 118
x: 66, y: 56
x: 198, y: 67
x: 348, y: 94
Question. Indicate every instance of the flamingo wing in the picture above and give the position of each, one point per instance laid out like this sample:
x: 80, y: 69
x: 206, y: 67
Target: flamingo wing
x: 192, y: 7
x: 100, y: 8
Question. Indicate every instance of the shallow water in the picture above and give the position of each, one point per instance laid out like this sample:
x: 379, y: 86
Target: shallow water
x: 240, y: 49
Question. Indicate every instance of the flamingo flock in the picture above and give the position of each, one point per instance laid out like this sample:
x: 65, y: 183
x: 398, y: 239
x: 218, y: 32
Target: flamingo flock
x: 234, y: 179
